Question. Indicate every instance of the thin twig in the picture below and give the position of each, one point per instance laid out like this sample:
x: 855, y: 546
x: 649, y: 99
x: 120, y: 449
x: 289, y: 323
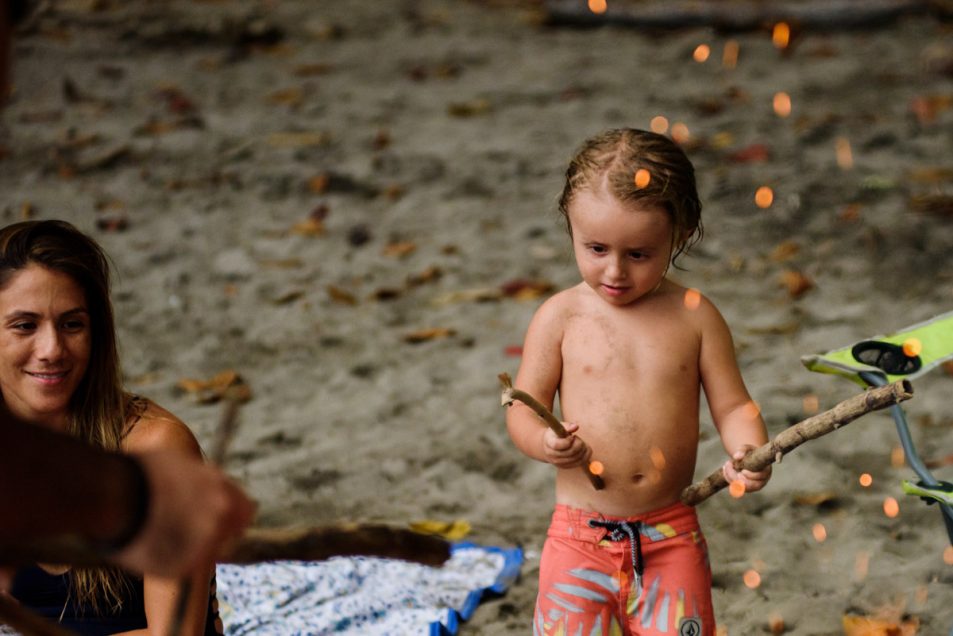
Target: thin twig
x: 510, y: 394
x: 792, y: 437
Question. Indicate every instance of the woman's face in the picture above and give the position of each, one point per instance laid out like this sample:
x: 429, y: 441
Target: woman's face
x: 45, y: 343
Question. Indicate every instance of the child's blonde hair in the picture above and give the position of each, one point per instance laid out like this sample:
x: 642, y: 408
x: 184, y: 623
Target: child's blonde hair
x: 614, y: 161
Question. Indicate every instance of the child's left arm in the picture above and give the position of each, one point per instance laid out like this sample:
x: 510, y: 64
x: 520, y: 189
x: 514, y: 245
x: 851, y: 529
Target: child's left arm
x: 736, y: 416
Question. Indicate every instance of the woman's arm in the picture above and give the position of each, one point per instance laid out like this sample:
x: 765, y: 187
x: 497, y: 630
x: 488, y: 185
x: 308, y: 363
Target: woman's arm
x: 159, y: 430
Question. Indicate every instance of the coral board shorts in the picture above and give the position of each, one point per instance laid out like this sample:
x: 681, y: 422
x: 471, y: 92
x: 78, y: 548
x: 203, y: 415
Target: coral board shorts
x: 646, y: 575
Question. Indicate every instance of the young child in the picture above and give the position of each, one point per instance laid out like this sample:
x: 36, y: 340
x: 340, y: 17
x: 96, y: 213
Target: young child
x: 627, y: 350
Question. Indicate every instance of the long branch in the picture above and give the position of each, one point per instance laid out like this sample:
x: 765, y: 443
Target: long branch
x: 511, y: 394
x: 811, y: 428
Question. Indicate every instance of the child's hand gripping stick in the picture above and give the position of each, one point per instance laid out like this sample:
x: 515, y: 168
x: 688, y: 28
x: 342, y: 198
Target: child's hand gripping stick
x: 511, y: 394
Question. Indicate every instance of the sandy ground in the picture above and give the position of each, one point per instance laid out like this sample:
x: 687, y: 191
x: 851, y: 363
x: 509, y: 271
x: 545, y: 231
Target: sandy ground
x: 290, y: 189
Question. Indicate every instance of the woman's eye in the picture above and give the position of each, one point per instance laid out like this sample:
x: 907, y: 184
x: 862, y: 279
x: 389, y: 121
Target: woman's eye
x: 24, y: 326
x: 74, y: 325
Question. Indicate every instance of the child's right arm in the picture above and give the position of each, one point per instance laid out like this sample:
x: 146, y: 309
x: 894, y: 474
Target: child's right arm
x: 539, y: 375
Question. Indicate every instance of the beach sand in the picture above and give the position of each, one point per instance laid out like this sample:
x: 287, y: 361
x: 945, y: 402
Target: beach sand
x: 352, y: 206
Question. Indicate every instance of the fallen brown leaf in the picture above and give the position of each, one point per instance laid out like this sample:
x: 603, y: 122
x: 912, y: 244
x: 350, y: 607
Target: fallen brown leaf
x: 785, y: 251
x: 400, y: 249
x: 926, y: 108
x: 293, y: 96
x: 472, y: 108
x: 525, y: 289
x: 298, y: 139
x: 224, y: 384
x: 424, y: 335
x: 796, y: 283
x: 342, y: 296
x: 816, y: 499
x: 938, y: 204
x: 429, y: 275
x: 310, y: 70
x: 308, y: 227
x: 864, y: 626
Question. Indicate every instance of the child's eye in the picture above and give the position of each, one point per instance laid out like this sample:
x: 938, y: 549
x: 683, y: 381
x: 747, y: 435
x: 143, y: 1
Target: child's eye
x: 636, y: 255
x: 598, y: 249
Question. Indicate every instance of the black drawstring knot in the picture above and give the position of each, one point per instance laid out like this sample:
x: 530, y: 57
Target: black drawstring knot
x: 619, y: 530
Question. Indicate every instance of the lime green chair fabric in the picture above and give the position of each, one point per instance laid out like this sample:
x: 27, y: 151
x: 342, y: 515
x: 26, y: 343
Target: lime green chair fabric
x: 907, y: 353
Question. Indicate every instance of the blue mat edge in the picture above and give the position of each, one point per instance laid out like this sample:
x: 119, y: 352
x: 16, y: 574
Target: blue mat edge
x: 512, y: 562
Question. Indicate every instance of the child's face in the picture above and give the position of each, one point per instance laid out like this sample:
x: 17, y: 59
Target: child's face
x: 622, y: 250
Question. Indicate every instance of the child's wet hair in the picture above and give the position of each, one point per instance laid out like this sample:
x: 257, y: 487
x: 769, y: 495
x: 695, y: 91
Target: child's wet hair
x: 637, y: 165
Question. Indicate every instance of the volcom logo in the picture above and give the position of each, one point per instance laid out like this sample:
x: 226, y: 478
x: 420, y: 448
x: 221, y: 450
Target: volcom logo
x: 690, y: 627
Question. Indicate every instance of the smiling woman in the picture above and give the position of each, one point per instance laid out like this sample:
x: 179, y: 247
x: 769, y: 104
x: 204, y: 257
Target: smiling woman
x: 59, y: 368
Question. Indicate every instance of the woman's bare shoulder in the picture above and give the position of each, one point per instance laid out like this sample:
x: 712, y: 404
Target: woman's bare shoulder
x: 155, y: 428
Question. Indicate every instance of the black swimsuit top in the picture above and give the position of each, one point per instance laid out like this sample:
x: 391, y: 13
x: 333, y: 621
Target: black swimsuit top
x: 46, y: 594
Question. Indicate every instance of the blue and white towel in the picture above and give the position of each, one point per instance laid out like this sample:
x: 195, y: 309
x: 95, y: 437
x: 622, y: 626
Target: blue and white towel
x: 362, y: 595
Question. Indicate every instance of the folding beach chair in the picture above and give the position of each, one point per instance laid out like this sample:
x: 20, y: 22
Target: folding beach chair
x: 907, y: 353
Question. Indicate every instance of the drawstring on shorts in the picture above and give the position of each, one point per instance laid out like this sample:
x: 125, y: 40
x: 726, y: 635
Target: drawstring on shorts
x: 620, y: 530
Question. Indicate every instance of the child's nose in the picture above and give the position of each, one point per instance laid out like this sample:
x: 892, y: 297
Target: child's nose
x: 616, y: 269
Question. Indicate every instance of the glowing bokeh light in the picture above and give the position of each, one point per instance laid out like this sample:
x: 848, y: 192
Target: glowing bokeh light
x: 776, y: 623
x: 782, y: 104
x: 764, y: 197
x: 891, y: 507
x: 693, y: 298
x: 598, y: 6
x: 642, y: 178
x: 752, y: 579
x: 657, y: 457
x: 819, y: 532
x: 680, y: 132
x: 729, y: 57
x: 781, y: 35
x: 948, y: 555
x: 845, y: 157
x: 596, y: 468
x: 737, y: 489
x: 912, y: 347
x: 866, y: 480
x: 861, y: 565
x: 897, y: 457
x: 751, y: 410
x: 811, y: 404
x: 659, y: 125
x: 701, y: 53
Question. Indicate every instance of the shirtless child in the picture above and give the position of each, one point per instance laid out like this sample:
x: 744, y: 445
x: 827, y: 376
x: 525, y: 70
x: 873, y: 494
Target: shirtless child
x: 627, y: 350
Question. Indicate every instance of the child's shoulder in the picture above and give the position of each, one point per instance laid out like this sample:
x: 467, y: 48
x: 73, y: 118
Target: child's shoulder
x: 562, y: 303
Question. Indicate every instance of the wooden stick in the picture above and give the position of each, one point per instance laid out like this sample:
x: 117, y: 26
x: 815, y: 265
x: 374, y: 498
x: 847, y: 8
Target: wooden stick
x: 792, y: 437
x: 511, y: 394
x: 261, y: 544
x: 740, y: 14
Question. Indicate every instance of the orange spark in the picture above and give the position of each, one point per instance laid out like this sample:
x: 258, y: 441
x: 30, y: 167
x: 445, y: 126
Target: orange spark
x: 737, y: 489
x: 811, y: 404
x: 752, y: 579
x: 751, y: 410
x: 658, y: 457
x: 764, y: 197
x: 598, y: 6
x: 642, y: 178
x: 891, y: 507
x: 701, y: 53
x: 845, y: 158
x: 782, y: 104
x: 866, y: 480
x: 729, y: 57
x: 912, y: 347
x: 861, y: 565
x: 781, y: 35
x: 680, y: 132
x: 819, y: 532
x: 596, y: 468
x: 897, y: 457
x: 693, y: 298
x: 659, y: 125
x: 948, y: 555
